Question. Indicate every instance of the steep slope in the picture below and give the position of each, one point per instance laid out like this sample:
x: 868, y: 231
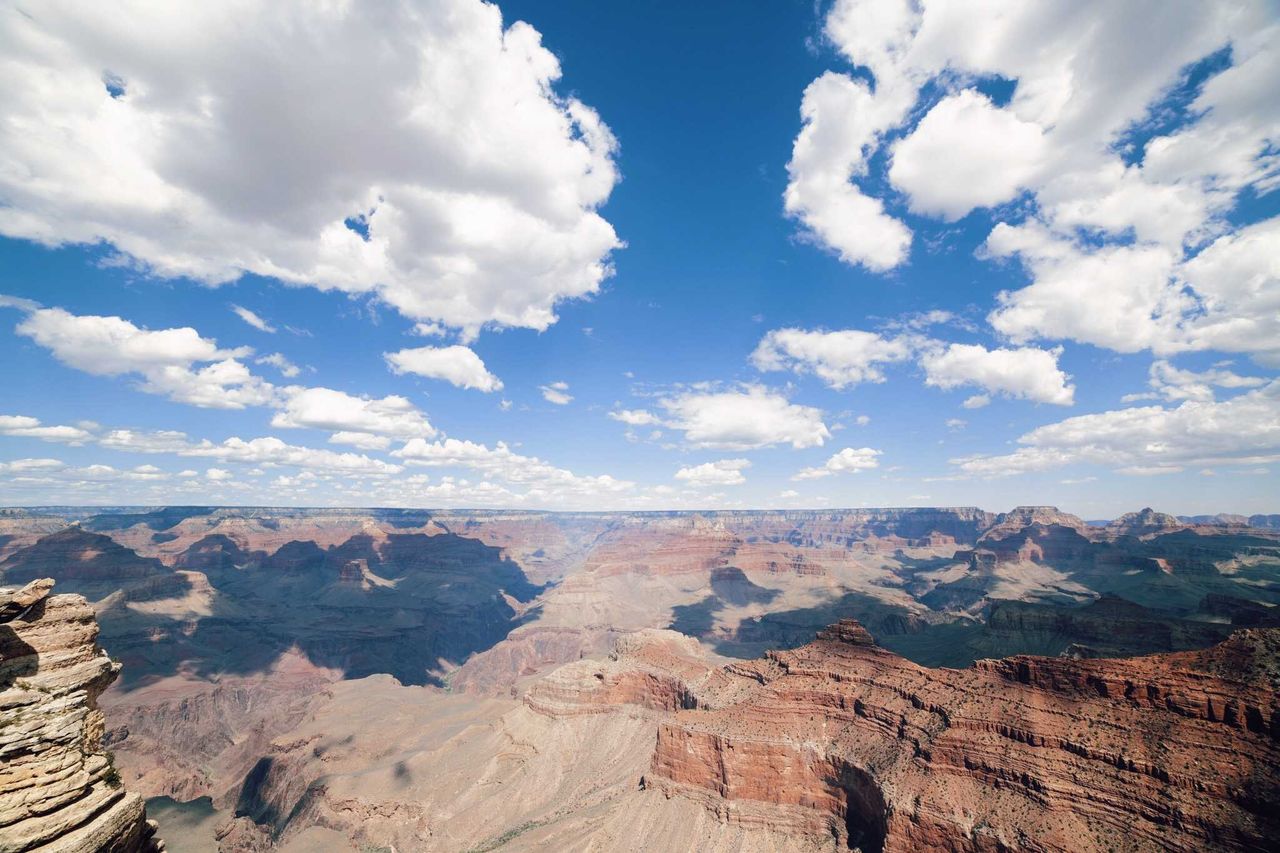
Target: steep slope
x: 59, y: 791
x: 1170, y: 752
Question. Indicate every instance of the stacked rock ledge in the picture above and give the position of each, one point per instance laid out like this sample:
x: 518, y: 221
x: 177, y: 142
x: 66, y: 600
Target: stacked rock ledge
x: 59, y: 790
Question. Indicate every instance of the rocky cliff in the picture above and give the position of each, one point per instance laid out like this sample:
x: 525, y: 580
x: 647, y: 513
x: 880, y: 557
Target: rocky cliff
x: 59, y: 791
x: 840, y: 737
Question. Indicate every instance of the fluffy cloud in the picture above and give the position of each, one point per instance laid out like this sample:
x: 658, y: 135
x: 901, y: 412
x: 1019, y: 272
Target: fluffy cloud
x: 166, y: 359
x: 21, y: 426
x: 1026, y: 373
x: 111, y: 346
x: 419, y: 151
x: 842, y: 118
x: 840, y: 358
x: 966, y: 153
x: 851, y: 356
x: 456, y: 364
x: 252, y: 319
x: 1175, y: 384
x: 1146, y: 439
x: 325, y: 408
x: 744, y: 419
x: 556, y: 392
x: 849, y: 460
x: 273, y: 451
x: 1130, y: 165
x: 543, y: 481
x: 725, y: 472
x: 636, y: 417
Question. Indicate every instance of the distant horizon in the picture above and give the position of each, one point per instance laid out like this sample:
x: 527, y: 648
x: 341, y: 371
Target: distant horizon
x: 653, y: 511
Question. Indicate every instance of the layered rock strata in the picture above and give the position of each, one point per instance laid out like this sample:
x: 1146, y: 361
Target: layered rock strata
x: 840, y: 737
x: 59, y: 791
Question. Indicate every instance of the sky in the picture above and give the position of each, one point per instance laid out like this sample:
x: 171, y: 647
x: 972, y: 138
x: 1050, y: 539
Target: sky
x: 585, y: 255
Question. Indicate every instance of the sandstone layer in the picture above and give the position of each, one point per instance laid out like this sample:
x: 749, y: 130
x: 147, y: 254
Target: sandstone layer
x: 840, y: 737
x: 59, y: 790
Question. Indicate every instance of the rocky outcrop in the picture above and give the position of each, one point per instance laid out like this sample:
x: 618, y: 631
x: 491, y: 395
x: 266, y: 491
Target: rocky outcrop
x: 59, y: 791
x: 1171, y: 752
x: 1145, y: 522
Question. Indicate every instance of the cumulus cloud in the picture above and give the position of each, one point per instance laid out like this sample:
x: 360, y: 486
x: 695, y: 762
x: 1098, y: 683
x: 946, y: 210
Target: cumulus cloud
x: 272, y: 451
x: 1128, y: 139
x: 22, y: 426
x: 842, y: 118
x: 966, y: 153
x: 166, y: 359
x: 1025, y: 373
x: 1175, y: 384
x: 111, y: 346
x: 745, y: 418
x: 1142, y: 439
x: 418, y: 151
x: 542, y: 480
x: 850, y: 460
x: 724, y: 472
x: 458, y: 365
x: 556, y: 392
x: 326, y: 408
x: 840, y: 358
x: 252, y: 319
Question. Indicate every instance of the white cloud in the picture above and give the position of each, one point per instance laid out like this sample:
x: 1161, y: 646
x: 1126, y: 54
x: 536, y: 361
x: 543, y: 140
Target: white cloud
x: 26, y: 465
x: 1243, y: 430
x: 325, y: 408
x: 111, y: 346
x: 840, y: 358
x: 1175, y: 384
x: 842, y: 118
x: 218, y: 474
x: 277, y: 360
x: 543, y: 481
x: 362, y: 440
x: 849, y: 460
x: 744, y: 419
x: 966, y: 153
x: 226, y: 384
x: 471, y: 186
x: 1025, y: 373
x: 21, y: 426
x: 1112, y: 229
x: 977, y: 401
x: 252, y: 319
x: 556, y: 392
x: 273, y: 451
x: 724, y: 472
x: 1117, y: 297
x: 636, y: 417
x: 165, y: 359
x: 456, y: 364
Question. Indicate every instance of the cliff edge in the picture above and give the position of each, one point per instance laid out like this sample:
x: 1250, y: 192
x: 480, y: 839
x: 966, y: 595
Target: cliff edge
x: 59, y: 791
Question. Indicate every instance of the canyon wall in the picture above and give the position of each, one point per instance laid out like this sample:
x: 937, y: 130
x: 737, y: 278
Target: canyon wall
x: 59, y: 791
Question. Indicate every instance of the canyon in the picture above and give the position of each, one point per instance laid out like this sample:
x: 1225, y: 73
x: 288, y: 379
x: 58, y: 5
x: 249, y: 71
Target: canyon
x: 898, y: 679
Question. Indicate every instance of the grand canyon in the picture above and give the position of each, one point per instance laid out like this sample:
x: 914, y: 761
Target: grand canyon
x: 876, y: 680
x: 499, y: 426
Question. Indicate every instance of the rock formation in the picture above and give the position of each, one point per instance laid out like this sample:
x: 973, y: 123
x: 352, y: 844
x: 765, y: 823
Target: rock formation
x: 59, y: 791
x: 1169, y: 752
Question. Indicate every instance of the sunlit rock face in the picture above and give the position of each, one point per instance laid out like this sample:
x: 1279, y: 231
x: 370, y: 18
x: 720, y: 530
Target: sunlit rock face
x: 1177, y: 752
x: 59, y: 789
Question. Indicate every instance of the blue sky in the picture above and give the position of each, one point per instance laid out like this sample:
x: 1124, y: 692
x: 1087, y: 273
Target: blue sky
x: 837, y: 256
